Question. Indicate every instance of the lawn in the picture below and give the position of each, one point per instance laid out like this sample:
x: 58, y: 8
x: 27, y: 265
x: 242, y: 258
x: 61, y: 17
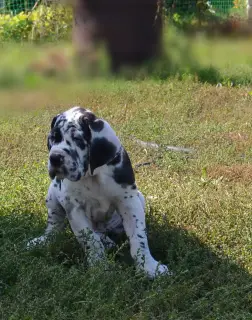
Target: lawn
x: 198, y: 205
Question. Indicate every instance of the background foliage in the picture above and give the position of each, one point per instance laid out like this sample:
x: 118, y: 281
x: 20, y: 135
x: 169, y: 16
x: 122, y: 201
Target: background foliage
x: 46, y: 22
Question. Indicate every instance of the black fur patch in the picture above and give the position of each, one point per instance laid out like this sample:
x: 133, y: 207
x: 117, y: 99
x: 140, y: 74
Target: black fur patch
x: 59, y: 122
x: 74, y: 154
x: 97, y: 125
x: 116, y: 160
x: 54, y: 121
x: 85, y: 128
x: 69, y: 126
x: 124, y: 175
x: 87, y: 115
x: 48, y: 143
x: 79, y: 143
x: 88, y: 119
x: 73, y: 169
x: 59, y: 183
x: 101, y: 152
x: 142, y: 245
x: 66, y: 151
x: 56, y: 135
x: 85, y: 169
x: 81, y: 110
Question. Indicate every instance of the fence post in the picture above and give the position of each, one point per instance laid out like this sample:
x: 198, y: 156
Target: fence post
x: 249, y: 12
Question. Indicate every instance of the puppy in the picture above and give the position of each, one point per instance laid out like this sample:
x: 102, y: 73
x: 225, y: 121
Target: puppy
x: 93, y: 185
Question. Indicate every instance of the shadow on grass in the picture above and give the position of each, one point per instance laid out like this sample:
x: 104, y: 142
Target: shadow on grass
x: 165, y: 68
x: 51, y: 283
x: 209, y: 287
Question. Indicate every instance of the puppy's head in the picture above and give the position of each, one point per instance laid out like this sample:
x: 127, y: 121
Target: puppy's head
x: 79, y: 142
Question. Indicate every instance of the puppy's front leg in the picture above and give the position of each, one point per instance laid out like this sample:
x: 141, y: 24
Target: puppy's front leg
x: 55, y: 219
x: 84, y: 233
x: 132, y: 211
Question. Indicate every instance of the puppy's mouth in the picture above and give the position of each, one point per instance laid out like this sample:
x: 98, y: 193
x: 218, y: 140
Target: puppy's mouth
x: 59, y: 173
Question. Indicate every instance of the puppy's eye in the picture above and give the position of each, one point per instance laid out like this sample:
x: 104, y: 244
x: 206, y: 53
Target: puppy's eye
x: 79, y: 142
x: 56, y: 137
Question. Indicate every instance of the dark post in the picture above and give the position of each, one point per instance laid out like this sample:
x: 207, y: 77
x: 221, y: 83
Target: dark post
x: 130, y: 29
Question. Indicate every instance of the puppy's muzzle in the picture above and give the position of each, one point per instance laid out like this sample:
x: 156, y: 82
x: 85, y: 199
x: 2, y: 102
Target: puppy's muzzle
x: 56, y: 160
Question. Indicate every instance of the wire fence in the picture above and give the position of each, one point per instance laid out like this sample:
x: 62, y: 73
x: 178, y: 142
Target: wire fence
x: 183, y: 6
x: 16, y: 6
x: 190, y: 6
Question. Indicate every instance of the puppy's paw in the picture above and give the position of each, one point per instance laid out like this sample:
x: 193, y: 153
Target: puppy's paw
x: 36, y: 241
x: 154, y: 269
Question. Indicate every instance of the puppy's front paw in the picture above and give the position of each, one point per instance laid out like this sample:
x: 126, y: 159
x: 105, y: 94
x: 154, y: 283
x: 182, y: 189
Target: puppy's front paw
x: 154, y: 269
x: 36, y: 241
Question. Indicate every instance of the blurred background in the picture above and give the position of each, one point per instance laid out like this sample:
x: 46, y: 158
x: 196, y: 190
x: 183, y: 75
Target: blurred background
x: 206, y: 40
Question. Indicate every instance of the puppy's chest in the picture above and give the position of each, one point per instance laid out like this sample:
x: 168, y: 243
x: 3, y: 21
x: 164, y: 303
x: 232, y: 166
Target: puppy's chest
x: 90, y: 198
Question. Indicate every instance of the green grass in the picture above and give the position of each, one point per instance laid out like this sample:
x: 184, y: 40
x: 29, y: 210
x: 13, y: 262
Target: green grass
x: 199, y: 206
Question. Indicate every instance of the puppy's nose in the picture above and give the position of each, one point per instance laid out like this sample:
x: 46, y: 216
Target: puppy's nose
x: 56, y: 159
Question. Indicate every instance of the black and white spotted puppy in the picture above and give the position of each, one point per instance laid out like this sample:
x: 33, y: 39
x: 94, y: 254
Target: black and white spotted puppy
x: 93, y: 185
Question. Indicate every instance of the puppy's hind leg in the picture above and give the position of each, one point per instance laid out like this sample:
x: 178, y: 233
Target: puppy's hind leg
x: 142, y: 199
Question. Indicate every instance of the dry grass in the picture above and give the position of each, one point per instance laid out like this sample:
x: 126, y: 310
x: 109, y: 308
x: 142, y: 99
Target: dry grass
x: 236, y: 173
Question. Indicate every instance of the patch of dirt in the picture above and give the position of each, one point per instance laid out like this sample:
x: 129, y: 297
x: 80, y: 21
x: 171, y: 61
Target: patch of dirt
x: 240, y: 140
x: 234, y: 173
x: 236, y: 136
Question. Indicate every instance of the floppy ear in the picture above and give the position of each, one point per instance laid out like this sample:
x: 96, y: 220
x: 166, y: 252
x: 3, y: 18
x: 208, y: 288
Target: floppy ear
x: 54, y: 121
x: 103, y: 142
x: 48, y: 143
x: 48, y: 137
